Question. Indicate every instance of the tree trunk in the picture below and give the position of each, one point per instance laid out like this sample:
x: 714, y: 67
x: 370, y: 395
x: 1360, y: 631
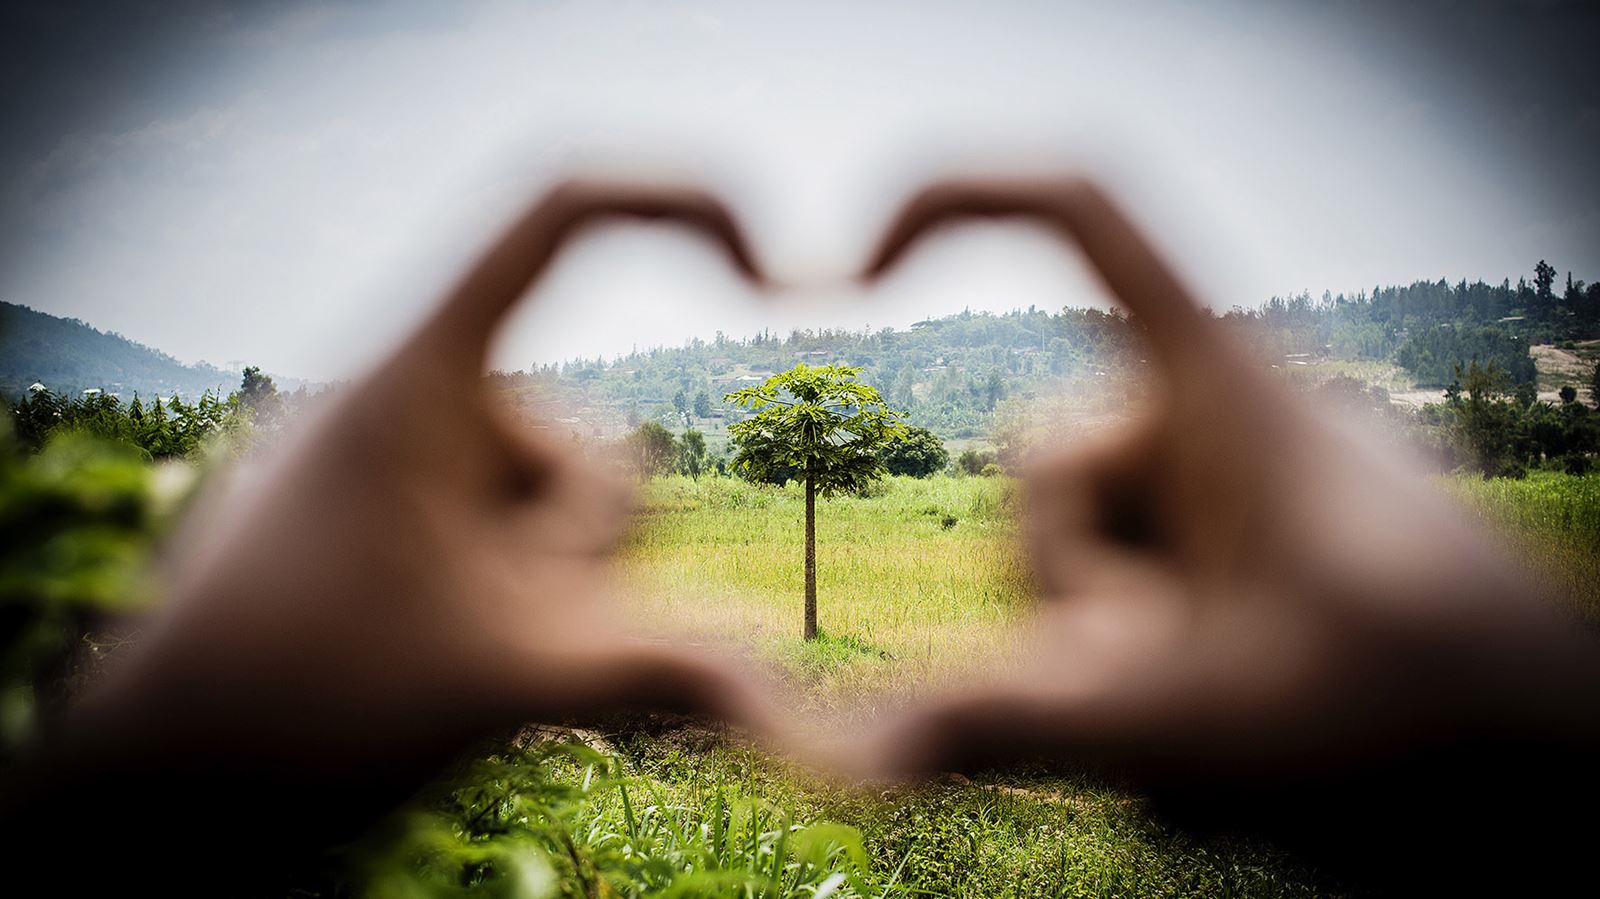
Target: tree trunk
x: 811, y: 560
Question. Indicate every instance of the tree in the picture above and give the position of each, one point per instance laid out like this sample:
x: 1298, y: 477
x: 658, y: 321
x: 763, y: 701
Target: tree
x: 651, y: 450
x: 820, y: 426
x: 702, y: 405
x: 919, y: 454
x: 1544, y: 276
x: 993, y: 391
x: 259, y: 396
x: 692, y: 453
x: 1485, y: 423
x: 1594, y: 385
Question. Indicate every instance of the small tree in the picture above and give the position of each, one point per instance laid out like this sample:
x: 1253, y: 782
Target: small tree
x: 692, y: 453
x: 820, y: 426
x: 259, y: 396
x: 702, y: 405
x: 652, y: 450
x: 973, y: 462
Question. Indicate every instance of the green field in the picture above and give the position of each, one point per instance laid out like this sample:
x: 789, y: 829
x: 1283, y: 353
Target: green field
x: 1552, y: 521
x: 914, y: 584
x: 918, y: 586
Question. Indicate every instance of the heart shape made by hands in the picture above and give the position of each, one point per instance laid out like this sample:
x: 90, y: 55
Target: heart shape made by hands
x: 1235, y: 590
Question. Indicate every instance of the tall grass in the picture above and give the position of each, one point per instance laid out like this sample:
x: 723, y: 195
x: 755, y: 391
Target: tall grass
x: 686, y: 815
x: 1553, y: 521
x: 543, y: 819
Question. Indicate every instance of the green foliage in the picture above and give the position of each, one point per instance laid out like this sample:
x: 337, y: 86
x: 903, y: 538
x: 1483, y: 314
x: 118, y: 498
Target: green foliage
x: 1496, y: 431
x: 945, y: 374
x: 814, y: 424
x: 77, y: 521
x: 919, y: 454
x: 692, y: 453
x: 258, y: 395
x: 1554, y: 518
x: 1544, y: 276
x: 547, y: 819
x: 1434, y: 356
x: 976, y: 462
x: 652, y: 450
x: 812, y: 660
x: 160, y: 429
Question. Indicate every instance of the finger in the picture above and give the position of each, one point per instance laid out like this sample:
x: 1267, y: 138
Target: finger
x: 1089, y: 510
x: 637, y: 675
x: 967, y: 733
x: 570, y: 503
x: 460, y: 331
x: 1108, y: 679
x: 1078, y: 211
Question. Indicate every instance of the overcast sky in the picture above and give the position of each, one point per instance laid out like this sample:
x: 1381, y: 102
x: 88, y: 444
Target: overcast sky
x: 291, y: 185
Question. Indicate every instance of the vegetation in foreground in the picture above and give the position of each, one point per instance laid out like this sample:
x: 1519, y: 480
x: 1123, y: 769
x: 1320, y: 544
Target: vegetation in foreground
x: 717, y: 558
x: 916, y: 582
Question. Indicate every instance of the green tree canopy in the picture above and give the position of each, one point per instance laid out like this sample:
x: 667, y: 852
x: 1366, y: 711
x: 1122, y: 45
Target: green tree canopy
x: 692, y: 453
x: 652, y: 450
x: 820, y: 425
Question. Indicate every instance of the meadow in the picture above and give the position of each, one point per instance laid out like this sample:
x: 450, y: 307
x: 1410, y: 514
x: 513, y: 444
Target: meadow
x: 916, y: 583
x: 919, y: 585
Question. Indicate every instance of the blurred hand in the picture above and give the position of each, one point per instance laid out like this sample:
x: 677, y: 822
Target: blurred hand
x: 1236, y: 591
x: 410, y: 571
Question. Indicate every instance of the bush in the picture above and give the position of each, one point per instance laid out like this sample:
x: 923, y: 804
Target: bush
x: 973, y: 462
x: 919, y: 454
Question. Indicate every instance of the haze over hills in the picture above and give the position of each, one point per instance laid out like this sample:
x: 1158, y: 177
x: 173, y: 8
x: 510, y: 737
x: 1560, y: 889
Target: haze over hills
x: 68, y: 356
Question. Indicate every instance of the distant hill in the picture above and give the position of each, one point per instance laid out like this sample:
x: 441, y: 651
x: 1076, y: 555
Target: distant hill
x: 68, y: 355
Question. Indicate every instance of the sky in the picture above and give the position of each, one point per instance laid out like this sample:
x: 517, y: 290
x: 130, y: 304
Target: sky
x: 293, y: 185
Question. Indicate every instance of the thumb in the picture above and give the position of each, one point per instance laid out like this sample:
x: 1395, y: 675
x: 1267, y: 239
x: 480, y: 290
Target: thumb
x: 640, y: 675
x: 960, y: 733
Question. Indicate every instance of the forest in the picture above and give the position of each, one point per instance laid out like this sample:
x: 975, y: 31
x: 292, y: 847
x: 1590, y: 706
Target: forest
x: 953, y: 375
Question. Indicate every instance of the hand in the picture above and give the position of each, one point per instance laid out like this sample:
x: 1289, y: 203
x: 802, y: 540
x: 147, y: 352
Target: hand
x: 1242, y: 601
x: 409, y: 572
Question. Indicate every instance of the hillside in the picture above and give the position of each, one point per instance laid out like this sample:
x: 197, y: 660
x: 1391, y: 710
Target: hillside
x: 68, y: 355
x: 955, y: 375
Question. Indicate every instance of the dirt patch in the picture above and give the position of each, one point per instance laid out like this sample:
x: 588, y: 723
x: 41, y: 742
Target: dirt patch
x: 1417, y: 398
x: 1558, y: 367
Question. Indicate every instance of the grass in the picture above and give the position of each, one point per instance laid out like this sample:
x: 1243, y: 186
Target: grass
x: 925, y: 577
x: 1553, y: 520
x: 685, y: 814
x: 918, y: 586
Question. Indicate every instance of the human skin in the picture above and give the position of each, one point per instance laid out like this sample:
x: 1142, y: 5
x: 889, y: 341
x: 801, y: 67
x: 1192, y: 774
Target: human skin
x: 1262, y: 619
x: 409, y: 572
